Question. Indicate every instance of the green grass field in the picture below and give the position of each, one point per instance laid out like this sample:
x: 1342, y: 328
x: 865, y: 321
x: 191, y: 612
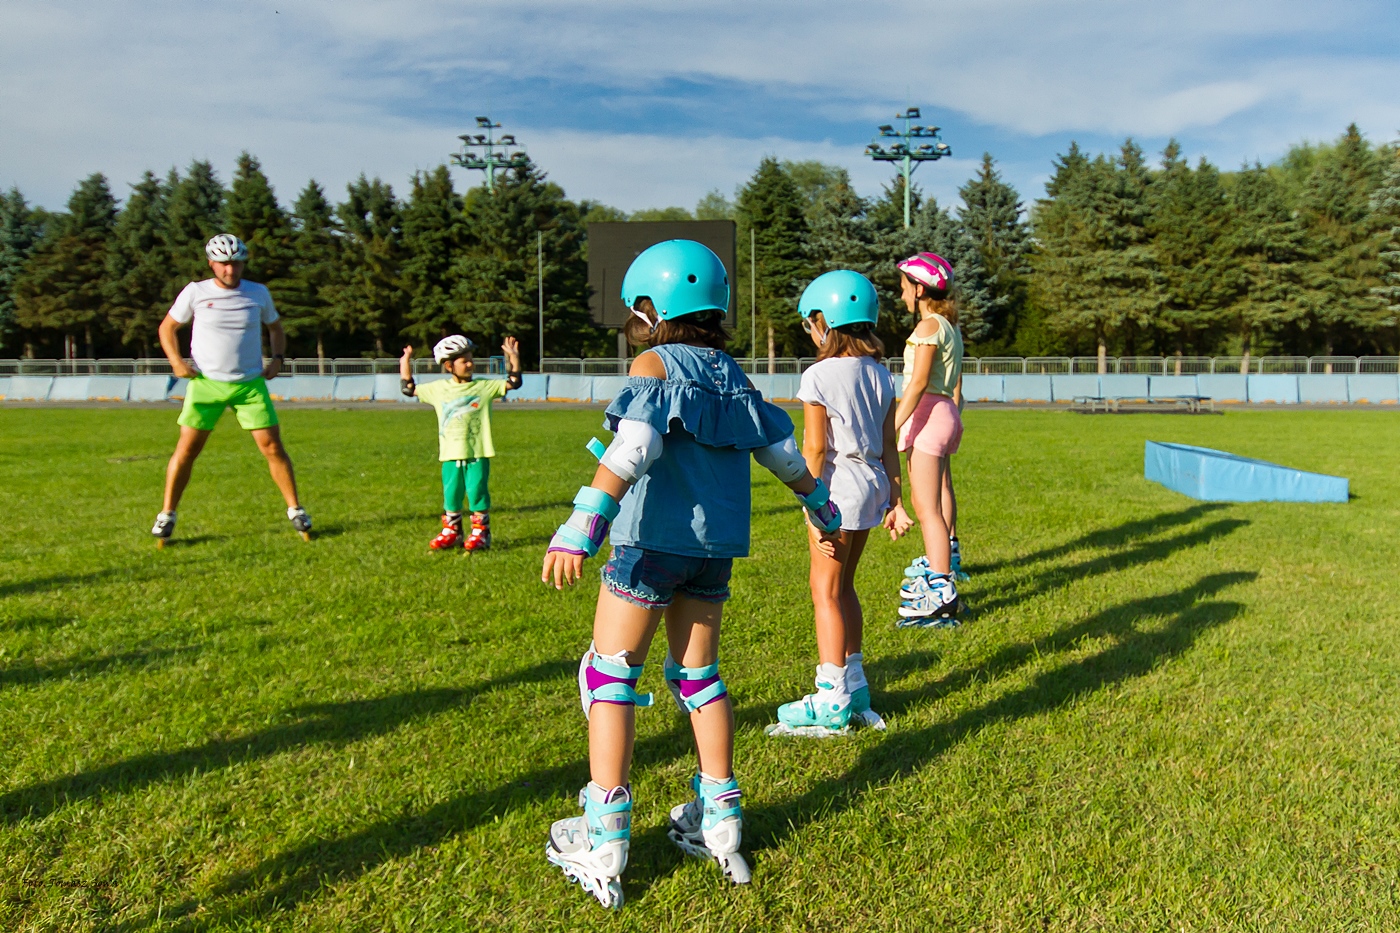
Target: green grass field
x: 1165, y: 714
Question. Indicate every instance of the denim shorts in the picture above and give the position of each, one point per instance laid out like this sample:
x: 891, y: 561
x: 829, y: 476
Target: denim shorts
x: 651, y: 579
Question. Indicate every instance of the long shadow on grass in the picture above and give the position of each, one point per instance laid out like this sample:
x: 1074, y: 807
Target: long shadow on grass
x: 59, y: 581
x: 1146, y: 552
x: 1134, y: 653
x: 1115, y: 536
x: 316, y: 724
x: 280, y: 882
x: 26, y: 675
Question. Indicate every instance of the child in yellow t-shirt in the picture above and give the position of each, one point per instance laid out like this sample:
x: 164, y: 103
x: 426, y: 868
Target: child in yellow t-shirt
x: 463, y: 408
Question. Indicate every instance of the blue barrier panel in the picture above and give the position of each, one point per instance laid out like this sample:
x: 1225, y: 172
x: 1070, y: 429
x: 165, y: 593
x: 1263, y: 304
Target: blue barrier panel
x: 302, y: 388
x: 353, y: 388
x: 979, y: 388
x: 1123, y: 385
x: 30, y: 388
x: 778, y: 387
x: 605, y: 388
x: 4, y: 387
x: 1217, y: 476
x: 109, y: 388
x: 70, y: 389
x: 1323, y: 388
x: 149, y: 388
x: 1164, y: 387
x: 534, y: 387
x: 1024, y: 388
x: 386, y: 388
x: 1373, y: 387
x: 1067, y: 388
x: 177, y: 389
x: 1277, y: 388
x: 1223, y: 387
x: 570, y: 388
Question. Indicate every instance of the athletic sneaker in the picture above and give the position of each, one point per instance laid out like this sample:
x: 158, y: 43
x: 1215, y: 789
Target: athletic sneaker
x: 164, y: 526
x: 300, y: 521
x: 480, y: 539
x: 451, y: 535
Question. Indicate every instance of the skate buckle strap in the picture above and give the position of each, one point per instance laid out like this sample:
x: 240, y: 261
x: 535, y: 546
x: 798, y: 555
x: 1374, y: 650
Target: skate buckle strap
x: 719, y: 799
x: 675, y: 673
x: 595, y: 812
x: 597, y: 448
x: 618, y: 692
x: 586, y: 528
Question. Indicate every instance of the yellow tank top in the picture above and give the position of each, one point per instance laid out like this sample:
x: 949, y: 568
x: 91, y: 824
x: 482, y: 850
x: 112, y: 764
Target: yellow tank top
x: 947, y: 357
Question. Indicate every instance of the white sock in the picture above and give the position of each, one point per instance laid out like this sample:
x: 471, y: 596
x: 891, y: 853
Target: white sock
x: 831, y: 685
x: 855, y: 672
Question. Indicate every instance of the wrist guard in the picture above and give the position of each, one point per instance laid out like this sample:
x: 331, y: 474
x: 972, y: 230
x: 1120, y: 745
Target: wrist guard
x: 824, y: 513
x: 587, y: 528
x: 406, y: 386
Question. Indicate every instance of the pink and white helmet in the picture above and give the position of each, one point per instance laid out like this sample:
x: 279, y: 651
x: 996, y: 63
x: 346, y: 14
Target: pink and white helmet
x: 928, y: 269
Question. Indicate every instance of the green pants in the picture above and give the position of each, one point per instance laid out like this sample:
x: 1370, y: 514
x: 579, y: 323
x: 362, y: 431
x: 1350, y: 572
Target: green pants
x: 466, y: 479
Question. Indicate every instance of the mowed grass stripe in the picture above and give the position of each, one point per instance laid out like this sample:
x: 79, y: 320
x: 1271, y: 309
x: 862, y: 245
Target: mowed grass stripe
x: 1164, y: 714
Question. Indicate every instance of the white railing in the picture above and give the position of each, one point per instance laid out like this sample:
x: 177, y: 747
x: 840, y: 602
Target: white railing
x: 160, y: 366
x: 989, y: 365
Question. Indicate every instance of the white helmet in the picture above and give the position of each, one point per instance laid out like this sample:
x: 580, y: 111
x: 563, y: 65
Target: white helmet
x: 449, y: 347
x: 226, y: 248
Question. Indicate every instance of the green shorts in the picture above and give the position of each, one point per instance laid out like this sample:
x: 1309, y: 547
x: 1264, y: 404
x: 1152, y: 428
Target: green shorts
x: 206, y: 399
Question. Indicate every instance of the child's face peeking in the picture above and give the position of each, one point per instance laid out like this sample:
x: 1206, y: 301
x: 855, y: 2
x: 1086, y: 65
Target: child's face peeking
x: 461, y: 367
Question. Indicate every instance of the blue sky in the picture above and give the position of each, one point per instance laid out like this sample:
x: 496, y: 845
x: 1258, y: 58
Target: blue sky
x: 648, y: 104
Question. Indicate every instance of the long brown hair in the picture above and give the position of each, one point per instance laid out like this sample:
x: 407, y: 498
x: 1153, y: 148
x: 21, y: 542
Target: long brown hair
x: 703, y: 327
x: 849, y: 340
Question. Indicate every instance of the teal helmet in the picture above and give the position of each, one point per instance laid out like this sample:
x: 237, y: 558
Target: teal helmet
x: 843, y: 297
x: 680, y: 277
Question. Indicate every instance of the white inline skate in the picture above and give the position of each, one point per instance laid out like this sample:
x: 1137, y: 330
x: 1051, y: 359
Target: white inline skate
x: 301, y: 522
x: 164, y: 527
x: 592, y: 849
x: 955, y: 561
x: 929, y: 601
x: 712, y: 825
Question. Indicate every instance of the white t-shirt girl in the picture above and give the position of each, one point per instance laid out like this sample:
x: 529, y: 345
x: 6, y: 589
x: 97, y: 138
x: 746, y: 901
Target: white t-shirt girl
x: 857, y: 392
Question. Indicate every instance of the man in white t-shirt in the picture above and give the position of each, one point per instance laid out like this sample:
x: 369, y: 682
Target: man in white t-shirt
x: 228, y: 315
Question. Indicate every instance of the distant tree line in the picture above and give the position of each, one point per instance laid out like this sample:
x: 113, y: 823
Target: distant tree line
x: 1119, y: 257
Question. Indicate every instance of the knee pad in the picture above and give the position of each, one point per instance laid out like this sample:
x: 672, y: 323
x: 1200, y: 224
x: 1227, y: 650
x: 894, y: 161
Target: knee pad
x: 694, y: 687
x: 608, y: 678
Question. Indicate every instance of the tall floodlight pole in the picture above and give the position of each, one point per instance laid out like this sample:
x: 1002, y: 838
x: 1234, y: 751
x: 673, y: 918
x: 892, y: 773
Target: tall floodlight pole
x: 907, y: 152
x: 539, y: 270
x: 495, y: 153
x: 753, y: 294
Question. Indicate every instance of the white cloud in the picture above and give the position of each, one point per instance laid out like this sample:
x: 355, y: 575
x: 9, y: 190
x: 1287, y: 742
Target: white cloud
x: 331, y: 87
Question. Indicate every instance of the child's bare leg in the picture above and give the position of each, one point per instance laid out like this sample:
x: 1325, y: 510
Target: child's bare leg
x: 950, y: 498
x: 828, y: 604
x: 617, y: 626
x: 926, y: 491
x: 851, y: 614
x: 692, y: 630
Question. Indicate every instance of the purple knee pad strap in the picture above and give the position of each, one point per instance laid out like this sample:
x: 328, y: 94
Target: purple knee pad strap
x: 694, y: 687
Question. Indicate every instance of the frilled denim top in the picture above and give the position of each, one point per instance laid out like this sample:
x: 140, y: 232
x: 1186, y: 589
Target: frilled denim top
x: 695, y: 498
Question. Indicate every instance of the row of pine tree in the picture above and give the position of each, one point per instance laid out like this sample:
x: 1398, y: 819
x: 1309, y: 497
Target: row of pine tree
x: 1301, y: 257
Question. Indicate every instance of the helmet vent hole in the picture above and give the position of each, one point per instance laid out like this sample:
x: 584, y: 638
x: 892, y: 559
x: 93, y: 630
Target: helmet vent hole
x: 691, y: 278
x: 853, y: 297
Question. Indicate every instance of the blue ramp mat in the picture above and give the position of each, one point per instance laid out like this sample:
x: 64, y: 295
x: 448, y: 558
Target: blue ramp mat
x: 1217, y: 476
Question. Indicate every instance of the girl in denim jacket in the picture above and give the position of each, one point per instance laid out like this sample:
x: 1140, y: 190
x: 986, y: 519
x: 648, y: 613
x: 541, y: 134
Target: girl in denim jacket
x: 674, y: 488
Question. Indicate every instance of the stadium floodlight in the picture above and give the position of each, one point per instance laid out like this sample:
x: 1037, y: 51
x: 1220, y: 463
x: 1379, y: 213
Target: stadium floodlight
x: 908, y: 156
x: 494, y: 154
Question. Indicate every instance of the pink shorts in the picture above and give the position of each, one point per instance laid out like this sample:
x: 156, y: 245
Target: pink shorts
x: 935, y: 428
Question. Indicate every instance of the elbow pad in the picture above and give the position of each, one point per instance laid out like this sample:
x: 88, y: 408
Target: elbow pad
x: 782, y: 460
x: 635, y: 447
x: 406, y: 386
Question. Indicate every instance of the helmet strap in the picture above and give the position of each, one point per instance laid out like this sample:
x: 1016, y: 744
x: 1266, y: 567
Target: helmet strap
x: 651, y: 325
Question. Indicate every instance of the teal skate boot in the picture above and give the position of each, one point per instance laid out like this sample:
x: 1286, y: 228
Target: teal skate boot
x: 959, y: 575
x: 592, y: 849
x: 818, y: 715
x: 712, y: 825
